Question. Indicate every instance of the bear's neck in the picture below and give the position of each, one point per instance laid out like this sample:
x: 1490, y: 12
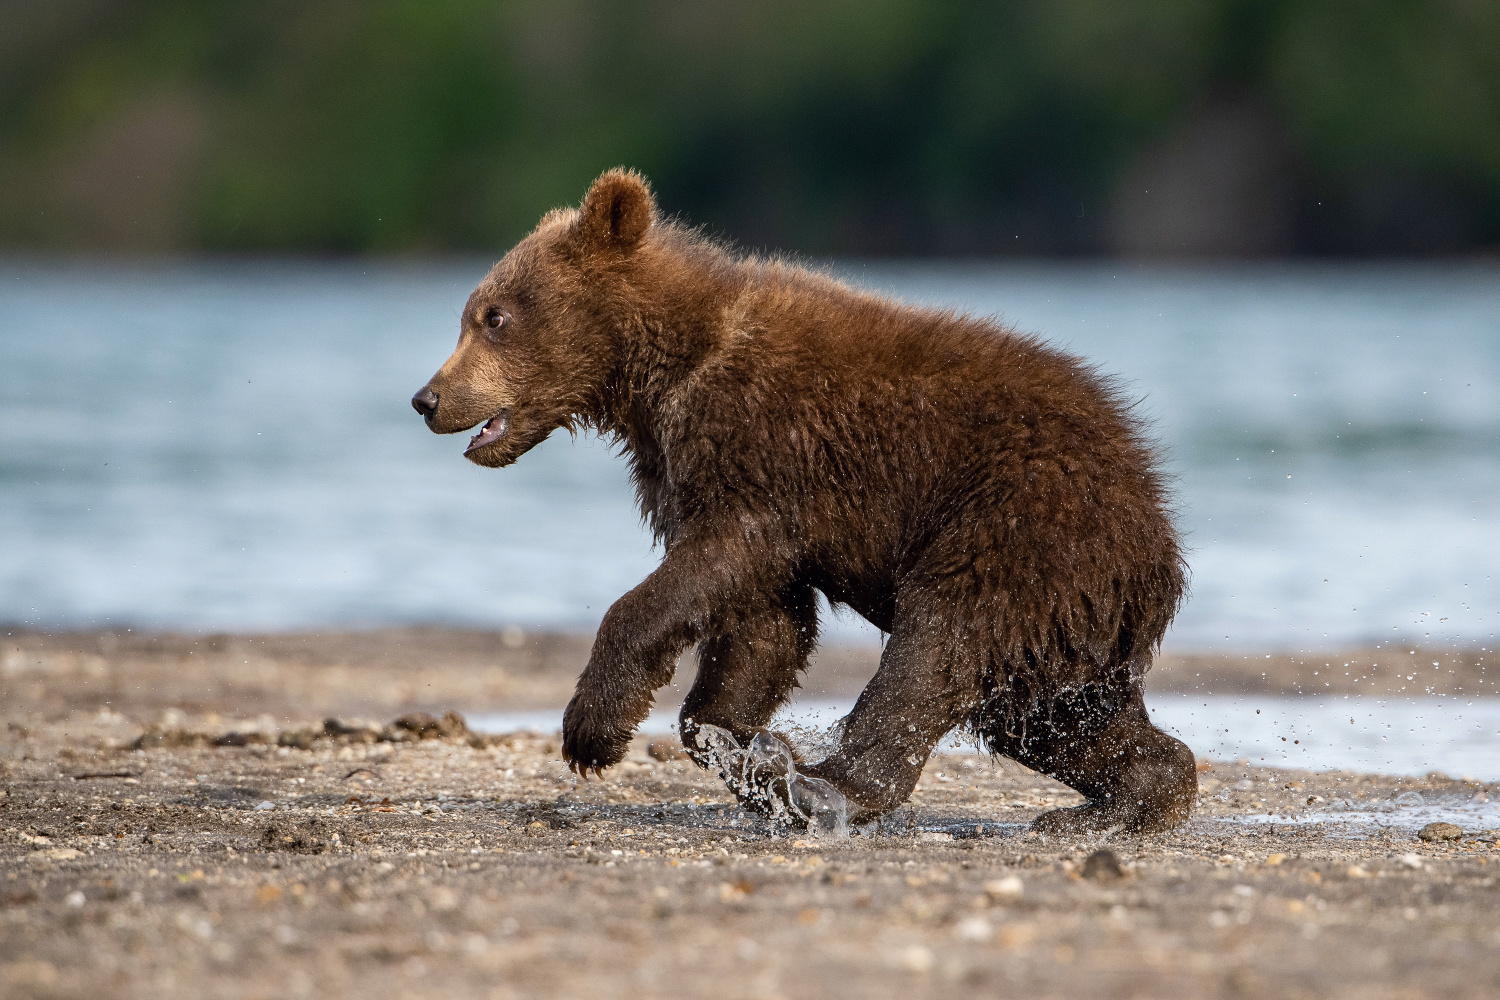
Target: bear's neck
x: 670, y: 322
x: 666, y: 335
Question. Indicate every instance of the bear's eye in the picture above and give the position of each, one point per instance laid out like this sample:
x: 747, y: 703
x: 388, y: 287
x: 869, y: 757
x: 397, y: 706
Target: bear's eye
x: 495, y: 318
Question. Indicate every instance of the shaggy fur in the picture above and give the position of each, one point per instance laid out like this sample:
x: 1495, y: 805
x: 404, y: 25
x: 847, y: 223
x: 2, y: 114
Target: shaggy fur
x: 987, y: 500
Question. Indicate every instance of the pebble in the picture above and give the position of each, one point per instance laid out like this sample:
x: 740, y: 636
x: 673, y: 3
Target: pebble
x: 1009, y: 887
x: 1103, y: 864
x: 917, y: 958
x: 1412, y: 861
x: 1437, y: 832
x: 973, y: 929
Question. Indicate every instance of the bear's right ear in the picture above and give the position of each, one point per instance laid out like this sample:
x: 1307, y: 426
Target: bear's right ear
x: 617, y: 211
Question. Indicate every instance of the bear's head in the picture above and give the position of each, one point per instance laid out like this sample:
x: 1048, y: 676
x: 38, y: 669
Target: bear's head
x: 539, y: 339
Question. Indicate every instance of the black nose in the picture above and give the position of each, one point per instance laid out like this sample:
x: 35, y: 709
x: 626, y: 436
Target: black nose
x: 425, y: 401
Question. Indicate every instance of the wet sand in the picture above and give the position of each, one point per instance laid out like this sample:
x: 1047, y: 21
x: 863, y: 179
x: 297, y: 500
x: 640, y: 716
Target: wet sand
x: 380, y: 671
x: 139, y: 860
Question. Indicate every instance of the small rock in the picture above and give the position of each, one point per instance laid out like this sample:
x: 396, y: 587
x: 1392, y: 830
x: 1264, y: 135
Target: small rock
x: 917, y: 958
x: 74, y: 899
x: 63, y: 854
x: 426, y: 727
x: 267, y: 804
x: 1009, y: 887
x: 1102, y: 864
x: 336, y: 727
x: 1438, y: 832
x: 298, y: 739
x: 1412, y: 861
x: 238, y: 739
x: 172, y: 737
x: 1358, y: 871
x: 973, y: 929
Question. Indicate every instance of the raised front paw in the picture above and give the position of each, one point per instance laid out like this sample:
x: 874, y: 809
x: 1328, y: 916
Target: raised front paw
x: 592, y: 741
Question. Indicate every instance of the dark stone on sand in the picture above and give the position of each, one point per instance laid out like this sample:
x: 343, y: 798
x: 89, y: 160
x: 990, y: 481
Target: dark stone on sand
x: 1103, y: 865
x: 304, y: 838
x: 1438, y: 832
x: 427, y: 727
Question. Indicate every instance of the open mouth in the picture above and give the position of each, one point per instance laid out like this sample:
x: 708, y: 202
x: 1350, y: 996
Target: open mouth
x: 494, y: 429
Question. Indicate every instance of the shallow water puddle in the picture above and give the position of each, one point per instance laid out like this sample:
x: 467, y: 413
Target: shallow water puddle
x: 1409, y: 811
x: 1459, y: 737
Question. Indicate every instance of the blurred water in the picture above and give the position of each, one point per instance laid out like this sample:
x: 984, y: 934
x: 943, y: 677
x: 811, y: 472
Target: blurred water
x: 1410, y: 736
x: 1367, y: 735
x: 229, y: 446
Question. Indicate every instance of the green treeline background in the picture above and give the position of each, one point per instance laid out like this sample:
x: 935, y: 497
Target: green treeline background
x: 1135, y: 127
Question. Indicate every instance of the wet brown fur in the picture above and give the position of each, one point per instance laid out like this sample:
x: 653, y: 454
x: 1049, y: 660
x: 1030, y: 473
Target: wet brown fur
x: 987, y: 500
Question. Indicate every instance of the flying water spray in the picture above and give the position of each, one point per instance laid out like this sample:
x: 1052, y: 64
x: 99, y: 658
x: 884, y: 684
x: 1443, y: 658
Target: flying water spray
x: 765, y: 778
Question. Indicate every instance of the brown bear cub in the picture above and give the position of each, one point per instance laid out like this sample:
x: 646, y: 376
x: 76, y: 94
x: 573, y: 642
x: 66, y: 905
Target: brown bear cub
x: 989, y: 502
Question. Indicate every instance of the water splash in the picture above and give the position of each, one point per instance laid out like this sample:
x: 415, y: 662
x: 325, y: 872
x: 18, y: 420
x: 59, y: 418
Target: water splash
x: 764, y: 777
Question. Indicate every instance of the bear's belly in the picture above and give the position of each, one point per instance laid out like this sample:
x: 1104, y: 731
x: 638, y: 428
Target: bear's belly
x: 875, y: 603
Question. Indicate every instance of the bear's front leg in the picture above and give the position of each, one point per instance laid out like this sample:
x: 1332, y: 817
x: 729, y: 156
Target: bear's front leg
x: 748, y: 666
x: 636, y: 649
x: 615, y: 691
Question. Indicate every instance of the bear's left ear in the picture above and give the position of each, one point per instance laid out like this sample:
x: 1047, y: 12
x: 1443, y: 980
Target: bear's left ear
x: 618, y: 209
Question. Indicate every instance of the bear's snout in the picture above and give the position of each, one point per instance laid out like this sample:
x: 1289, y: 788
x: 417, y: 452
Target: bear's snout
x: 425, y: 402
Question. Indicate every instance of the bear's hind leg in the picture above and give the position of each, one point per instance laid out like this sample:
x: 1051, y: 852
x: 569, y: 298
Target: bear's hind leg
x: 917, y: 697
x: 1136, y: 777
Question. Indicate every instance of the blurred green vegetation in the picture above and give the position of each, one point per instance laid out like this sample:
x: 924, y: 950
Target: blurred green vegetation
x: 871, y: 127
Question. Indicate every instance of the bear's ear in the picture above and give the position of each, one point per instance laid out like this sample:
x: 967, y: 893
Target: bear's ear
x: 618, y: 210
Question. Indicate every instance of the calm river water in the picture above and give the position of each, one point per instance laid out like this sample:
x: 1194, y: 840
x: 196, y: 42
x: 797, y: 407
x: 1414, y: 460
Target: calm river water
x: 229, y: 446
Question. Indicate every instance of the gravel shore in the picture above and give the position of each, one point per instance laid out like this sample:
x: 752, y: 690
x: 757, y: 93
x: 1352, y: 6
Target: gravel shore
x: 177, y: 819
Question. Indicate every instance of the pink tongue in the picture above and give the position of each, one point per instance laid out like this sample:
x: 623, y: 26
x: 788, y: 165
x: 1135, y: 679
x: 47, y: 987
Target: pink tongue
x: 493, y: 430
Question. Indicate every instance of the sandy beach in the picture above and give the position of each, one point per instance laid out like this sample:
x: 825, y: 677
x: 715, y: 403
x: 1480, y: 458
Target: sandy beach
x: 179, y: 818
